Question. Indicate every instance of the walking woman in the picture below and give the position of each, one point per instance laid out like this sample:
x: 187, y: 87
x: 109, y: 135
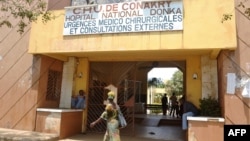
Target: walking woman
x: 111, y: 116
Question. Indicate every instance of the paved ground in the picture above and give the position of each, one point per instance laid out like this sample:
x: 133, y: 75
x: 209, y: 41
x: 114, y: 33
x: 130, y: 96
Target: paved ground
x: 141, y: 134
x: 146, y: 130
x: 99, y: 137
x: 20, y: 135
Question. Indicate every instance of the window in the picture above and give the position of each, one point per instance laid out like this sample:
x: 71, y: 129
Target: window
x: 54, y: 85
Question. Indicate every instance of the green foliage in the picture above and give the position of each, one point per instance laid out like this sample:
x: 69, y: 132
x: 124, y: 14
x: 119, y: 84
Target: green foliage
x: 156, y: 111
x: 156, y: 82
x: 210, y: 107
x: 24, y: 11
x: 226, y: 17
x: 175, y: 84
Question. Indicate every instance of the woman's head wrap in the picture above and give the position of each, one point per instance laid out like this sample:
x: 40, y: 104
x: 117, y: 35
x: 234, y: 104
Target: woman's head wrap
x: 109, y: 107
x: 111, y: 95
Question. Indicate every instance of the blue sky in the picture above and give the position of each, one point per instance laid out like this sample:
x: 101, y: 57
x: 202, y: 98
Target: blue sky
x: 164, y: 73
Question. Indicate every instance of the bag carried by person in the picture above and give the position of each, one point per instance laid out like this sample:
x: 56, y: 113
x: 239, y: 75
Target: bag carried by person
x: 121, y: 119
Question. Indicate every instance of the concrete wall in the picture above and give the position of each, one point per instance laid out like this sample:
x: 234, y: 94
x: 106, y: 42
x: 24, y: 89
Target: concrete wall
x: 208, y: 130
x: 48, y: 38
x: 19, y: 78
x: 201, y: 31
x: 19, y: 74
x: 23, y: 84
x: 236, y: 107
x: 47, y: 64
x: 59, y: 121
x: 209, y: 77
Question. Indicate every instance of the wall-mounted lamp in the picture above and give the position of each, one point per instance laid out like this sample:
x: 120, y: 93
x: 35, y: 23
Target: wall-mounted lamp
x: 80, y: 75
x: 195, y: 76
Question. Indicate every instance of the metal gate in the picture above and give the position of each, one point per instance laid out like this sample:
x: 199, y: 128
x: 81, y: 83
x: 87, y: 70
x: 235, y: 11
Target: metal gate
x: 120, y: 74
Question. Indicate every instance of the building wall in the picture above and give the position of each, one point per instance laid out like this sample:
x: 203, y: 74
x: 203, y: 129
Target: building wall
x: 236, y: 108
x: 209, y: 77
x: 20, y: 74
x: 68, y: 78
x: 193, y: 86
x: 47, y: 64
x: 58, y: 4
x: 18, y: 79
x: 48, y: 38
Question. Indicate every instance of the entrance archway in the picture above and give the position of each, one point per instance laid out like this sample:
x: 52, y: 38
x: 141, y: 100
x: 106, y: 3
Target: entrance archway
x: 163, y: 81
x: 130, y: 78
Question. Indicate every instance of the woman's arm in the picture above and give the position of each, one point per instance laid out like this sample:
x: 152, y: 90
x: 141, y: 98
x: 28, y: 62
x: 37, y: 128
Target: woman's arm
x: 95, y: 122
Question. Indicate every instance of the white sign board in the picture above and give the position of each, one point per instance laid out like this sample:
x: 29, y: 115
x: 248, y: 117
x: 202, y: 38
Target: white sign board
x: 231, y: 83
x: 136, y: 16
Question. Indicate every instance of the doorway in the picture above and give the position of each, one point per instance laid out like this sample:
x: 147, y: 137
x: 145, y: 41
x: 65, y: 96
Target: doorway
x: 121, y: 75
x: 130, y: 78
x: 163, y: 82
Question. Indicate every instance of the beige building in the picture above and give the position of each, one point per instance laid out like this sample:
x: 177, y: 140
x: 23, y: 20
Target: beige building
x: 41, y: 69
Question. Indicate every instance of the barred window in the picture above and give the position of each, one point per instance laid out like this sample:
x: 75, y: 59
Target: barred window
x: 54, y: 85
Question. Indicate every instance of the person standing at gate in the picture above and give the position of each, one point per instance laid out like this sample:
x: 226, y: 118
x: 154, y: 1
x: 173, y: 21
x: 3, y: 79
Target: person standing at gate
x: 164, y: 103
x: 110, y: 115
x: 174, y: 105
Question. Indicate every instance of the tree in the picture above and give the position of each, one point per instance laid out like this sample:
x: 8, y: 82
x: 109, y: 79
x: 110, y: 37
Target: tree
x: 156, y: 82
x: 175, y: 84
x: 25, y: 11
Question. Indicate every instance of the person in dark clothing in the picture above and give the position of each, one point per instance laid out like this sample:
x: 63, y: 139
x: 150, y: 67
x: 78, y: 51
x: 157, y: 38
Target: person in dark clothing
x: 177, y: 109
x: 174, y: 105
x: 180, y: 109
x: 189, y: 109
x: 180, y: 112
x: 164, y: 102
